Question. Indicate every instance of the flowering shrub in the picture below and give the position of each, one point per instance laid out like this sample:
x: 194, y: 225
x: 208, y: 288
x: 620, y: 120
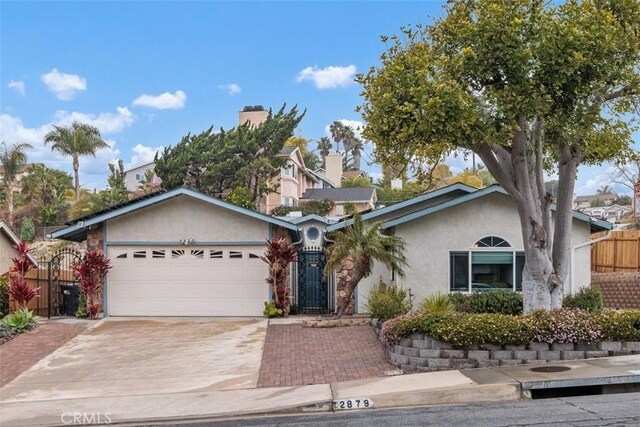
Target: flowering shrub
x: 563, y: 326
x: 469, y: 330
x: 465, y: 330
x: 619, y: 325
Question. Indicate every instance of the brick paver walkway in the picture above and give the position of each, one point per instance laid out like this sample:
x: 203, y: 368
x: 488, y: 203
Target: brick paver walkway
x: 294, y: 355
x: 25, y: 350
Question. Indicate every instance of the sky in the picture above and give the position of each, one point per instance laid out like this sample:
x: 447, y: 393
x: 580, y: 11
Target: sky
x: 146, y: 73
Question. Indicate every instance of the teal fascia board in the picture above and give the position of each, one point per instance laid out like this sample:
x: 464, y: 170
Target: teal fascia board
x: 441, y: 206
x: 405, y: 204
x: 73, y: 229
x: 593, y: 222
x: 195, y: 243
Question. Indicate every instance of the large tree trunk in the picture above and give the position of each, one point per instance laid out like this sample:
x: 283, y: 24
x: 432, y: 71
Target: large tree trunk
x: 76, y: 175
x: 547, y: 251
x: 567, y: 170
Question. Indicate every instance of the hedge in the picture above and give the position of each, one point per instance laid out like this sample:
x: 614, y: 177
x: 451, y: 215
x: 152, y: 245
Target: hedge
x: 465, y: 330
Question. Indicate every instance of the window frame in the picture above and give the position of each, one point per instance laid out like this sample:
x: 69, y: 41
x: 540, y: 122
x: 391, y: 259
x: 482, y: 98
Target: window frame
x: 476, y: 248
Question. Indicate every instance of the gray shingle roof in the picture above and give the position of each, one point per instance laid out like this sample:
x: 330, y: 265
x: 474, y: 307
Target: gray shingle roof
x: 340, y: 194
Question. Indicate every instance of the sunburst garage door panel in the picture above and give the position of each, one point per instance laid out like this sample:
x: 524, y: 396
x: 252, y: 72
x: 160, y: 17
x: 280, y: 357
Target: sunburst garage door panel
x: 186, y: 281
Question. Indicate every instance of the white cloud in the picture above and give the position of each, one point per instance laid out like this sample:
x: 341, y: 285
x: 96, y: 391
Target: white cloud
x: 93, y: 171
x: 231, y: 89
x: 63, y: 85
x: 164, y: 101
x: 329, y: 77
x: 105, y: 122
x: 18, y: 86
x: 143, y: 154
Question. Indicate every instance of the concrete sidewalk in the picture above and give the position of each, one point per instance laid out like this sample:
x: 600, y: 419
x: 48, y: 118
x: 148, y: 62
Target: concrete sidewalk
x: 446, y: 387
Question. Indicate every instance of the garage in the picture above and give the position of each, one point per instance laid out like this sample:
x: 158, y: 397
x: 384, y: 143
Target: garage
x: 187, y: 281
x: 181, y: 253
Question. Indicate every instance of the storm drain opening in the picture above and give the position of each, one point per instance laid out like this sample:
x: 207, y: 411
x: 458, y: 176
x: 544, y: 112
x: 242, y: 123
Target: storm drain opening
x: 545, y: 392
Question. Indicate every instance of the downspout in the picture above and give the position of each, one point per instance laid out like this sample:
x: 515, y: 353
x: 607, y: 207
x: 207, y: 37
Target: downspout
x: 572, y: 286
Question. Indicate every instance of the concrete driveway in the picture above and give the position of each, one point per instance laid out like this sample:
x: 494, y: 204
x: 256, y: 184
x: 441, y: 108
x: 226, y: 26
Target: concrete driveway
x: 126, y: 356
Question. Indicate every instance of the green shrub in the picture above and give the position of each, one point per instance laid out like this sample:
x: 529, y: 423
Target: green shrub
x: 619, y: 325
x: 498, y: 302
x: 4, y: 296
x: 21, y: 320
x: 27, y: 230
x: 461, y: 302
x: 81, y: 312
x: 586, y: 299
x: 270, y: 310
x: 439, y: 303
x: 467, y: 330
x: 387, y: 301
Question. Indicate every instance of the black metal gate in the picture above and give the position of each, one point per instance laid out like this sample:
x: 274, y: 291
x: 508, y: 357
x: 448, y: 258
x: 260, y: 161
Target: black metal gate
x: 58, y: 285
x: 313, y: 289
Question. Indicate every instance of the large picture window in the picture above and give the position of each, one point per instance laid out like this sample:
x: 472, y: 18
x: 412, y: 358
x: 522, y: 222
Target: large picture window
x: 491, y: 264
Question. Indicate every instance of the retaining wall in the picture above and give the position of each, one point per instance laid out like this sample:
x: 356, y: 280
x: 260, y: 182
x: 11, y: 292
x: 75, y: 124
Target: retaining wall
x: 619, y: 290
x: 424, y: 354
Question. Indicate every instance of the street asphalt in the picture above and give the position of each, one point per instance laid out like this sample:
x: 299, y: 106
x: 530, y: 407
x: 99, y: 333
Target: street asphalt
x: 598, y: 410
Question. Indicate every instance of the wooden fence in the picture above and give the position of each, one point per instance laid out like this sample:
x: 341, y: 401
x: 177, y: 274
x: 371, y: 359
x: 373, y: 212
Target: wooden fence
x: 619, y: 253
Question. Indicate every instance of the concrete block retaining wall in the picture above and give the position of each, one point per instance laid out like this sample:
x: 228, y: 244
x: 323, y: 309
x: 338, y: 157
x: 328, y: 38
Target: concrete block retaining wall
x: 424, y: 354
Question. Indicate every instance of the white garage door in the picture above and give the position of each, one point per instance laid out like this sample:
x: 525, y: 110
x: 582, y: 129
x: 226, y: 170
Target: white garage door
x: 186, y: 281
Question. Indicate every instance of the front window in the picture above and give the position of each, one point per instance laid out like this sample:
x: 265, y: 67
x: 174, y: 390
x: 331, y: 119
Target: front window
x: 138, y: 177
x: 491, y: 264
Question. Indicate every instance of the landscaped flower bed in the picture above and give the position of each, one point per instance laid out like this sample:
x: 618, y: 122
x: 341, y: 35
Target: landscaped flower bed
x: 419, y: 341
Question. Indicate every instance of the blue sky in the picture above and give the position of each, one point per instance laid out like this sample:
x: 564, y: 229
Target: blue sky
x: 147, y: 73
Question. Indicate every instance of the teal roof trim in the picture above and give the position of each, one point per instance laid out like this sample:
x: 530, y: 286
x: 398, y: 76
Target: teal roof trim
x: 311, y: 217
x: 596, y: 224
x: 73, y: 230
x: 405, y: 204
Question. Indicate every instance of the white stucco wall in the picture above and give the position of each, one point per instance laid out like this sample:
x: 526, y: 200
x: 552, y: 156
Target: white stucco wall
x: 130, y: 176
x: 185, y: 217
x: 430, y: 239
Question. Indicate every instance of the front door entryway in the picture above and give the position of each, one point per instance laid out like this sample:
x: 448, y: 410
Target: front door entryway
x: 313, y: 289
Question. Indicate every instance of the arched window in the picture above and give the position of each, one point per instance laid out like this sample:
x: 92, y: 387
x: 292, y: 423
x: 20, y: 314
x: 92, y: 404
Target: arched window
x: 492, y: 242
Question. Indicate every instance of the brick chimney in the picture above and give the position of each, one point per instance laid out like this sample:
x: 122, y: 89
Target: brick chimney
x: 255, y: 115
x: 333, y: 167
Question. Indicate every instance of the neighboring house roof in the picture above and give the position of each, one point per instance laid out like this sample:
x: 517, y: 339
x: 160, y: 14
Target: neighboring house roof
x: 618, y: 208
x: 407, y: 203
x: 138, y: 167
x: 286, y: 151
x: 340, y: 194
x: 596, y: 224
x: 10, y: 235
x: 580, y: 199
x: 351, y: 174
x: 315, y: 175
x: 76, y: 230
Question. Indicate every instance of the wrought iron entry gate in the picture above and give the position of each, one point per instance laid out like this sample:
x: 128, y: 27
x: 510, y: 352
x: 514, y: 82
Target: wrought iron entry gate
x: 313, y: 289
x: 58, y: 284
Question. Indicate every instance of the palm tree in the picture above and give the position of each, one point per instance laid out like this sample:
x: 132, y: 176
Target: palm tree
x: 324, y: 147
x: 12, y: 158
x: 355, y: 251
x: 605, y: 189
x: 147, y: 183
x: 74, y: 141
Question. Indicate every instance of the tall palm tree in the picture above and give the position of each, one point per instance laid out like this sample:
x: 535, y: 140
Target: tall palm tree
x: 12, y: 158
x: 74, y: 141
x: 354, y: 251
x: 324, y: 147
